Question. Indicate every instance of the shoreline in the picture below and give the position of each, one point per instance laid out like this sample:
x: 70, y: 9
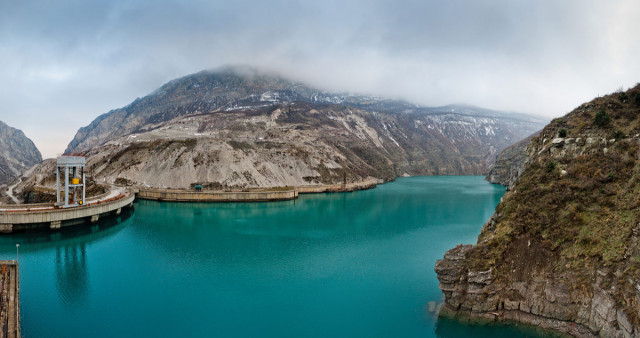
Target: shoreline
x: 559, y: 327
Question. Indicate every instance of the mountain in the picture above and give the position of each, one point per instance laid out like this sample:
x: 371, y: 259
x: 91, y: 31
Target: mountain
x: 562, y: 249
x: 237, y: 127
x: 17, y: 153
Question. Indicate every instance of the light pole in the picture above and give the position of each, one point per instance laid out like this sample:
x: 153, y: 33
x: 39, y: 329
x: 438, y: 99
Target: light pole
x: 17, y: 252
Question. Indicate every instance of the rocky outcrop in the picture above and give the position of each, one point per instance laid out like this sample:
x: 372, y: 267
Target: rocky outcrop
x: 509, y: 163
x: 238, y: 128
x: 17, y: 153
x: 561, y: 250
x: 546, y: 300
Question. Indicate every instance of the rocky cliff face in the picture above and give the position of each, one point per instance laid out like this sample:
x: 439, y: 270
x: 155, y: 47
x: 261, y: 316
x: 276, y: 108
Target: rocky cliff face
x: 240, y: 128
x: 561, y: 250
x: 509, y: 163
x: 17, y: 153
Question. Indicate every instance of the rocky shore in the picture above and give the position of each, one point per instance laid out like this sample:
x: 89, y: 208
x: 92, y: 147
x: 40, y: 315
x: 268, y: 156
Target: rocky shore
x: 547, y: 301
x: 561, y: 251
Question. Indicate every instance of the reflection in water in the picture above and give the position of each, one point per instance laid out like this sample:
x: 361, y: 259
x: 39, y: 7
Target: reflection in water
x: 72, y: 274
x: 447, y: 327
x: 85, y: 233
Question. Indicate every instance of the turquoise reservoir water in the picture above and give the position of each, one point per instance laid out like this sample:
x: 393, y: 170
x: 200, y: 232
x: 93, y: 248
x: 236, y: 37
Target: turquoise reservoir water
x: 329, y: 265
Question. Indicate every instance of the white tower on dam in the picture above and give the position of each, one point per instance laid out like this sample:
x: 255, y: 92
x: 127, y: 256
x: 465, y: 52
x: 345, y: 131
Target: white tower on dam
x: 74, y: 181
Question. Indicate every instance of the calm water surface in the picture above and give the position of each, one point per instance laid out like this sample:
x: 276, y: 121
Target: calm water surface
x: 329, y: 265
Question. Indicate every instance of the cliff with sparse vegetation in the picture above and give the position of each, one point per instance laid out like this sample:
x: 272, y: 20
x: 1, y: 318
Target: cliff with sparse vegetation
x: 561, y: 250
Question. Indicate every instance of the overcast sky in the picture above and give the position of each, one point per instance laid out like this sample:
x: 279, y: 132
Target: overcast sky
x: 64, y: 62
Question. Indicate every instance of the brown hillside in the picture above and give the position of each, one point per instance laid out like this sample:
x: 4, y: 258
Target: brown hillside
x: 563, y: 244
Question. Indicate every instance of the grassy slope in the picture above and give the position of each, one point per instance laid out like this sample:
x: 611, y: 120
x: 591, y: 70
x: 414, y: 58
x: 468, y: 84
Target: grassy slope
x: 574, y: 211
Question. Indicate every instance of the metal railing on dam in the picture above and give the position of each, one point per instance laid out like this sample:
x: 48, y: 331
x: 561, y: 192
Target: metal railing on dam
x: 25, y: 217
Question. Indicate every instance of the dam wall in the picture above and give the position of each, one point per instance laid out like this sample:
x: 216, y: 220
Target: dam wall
x: 321, y: 188
x: 253, y: 195
x: 44, y: 216
x: 217, y: 196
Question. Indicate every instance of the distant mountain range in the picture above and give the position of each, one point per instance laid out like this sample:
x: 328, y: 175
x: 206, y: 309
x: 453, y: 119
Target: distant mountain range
x: 238, y: 127
x: 17, y: 153
x: 238, y: 88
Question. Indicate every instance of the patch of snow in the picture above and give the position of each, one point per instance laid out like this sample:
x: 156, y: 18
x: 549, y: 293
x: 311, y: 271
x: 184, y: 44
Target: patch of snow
x: 270, y: 96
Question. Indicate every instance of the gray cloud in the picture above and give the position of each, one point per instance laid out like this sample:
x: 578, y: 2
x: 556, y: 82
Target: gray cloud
x: 65, y: 62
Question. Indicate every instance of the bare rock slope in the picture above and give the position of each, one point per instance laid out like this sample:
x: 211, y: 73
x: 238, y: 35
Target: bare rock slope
x: 561, y: 250
x: 239, y: 128
x: 17, y: 153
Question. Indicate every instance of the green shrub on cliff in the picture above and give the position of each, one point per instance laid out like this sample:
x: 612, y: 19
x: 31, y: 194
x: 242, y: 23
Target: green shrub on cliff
x: 623, y: 97
x: 602, y: 118
x: 619, y: 135
x: 550, y: 166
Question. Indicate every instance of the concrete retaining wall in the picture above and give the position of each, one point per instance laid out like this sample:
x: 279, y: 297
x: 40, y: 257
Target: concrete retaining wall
x: 313, y: 189
x: 216, y: 196
x: 248, y: 196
